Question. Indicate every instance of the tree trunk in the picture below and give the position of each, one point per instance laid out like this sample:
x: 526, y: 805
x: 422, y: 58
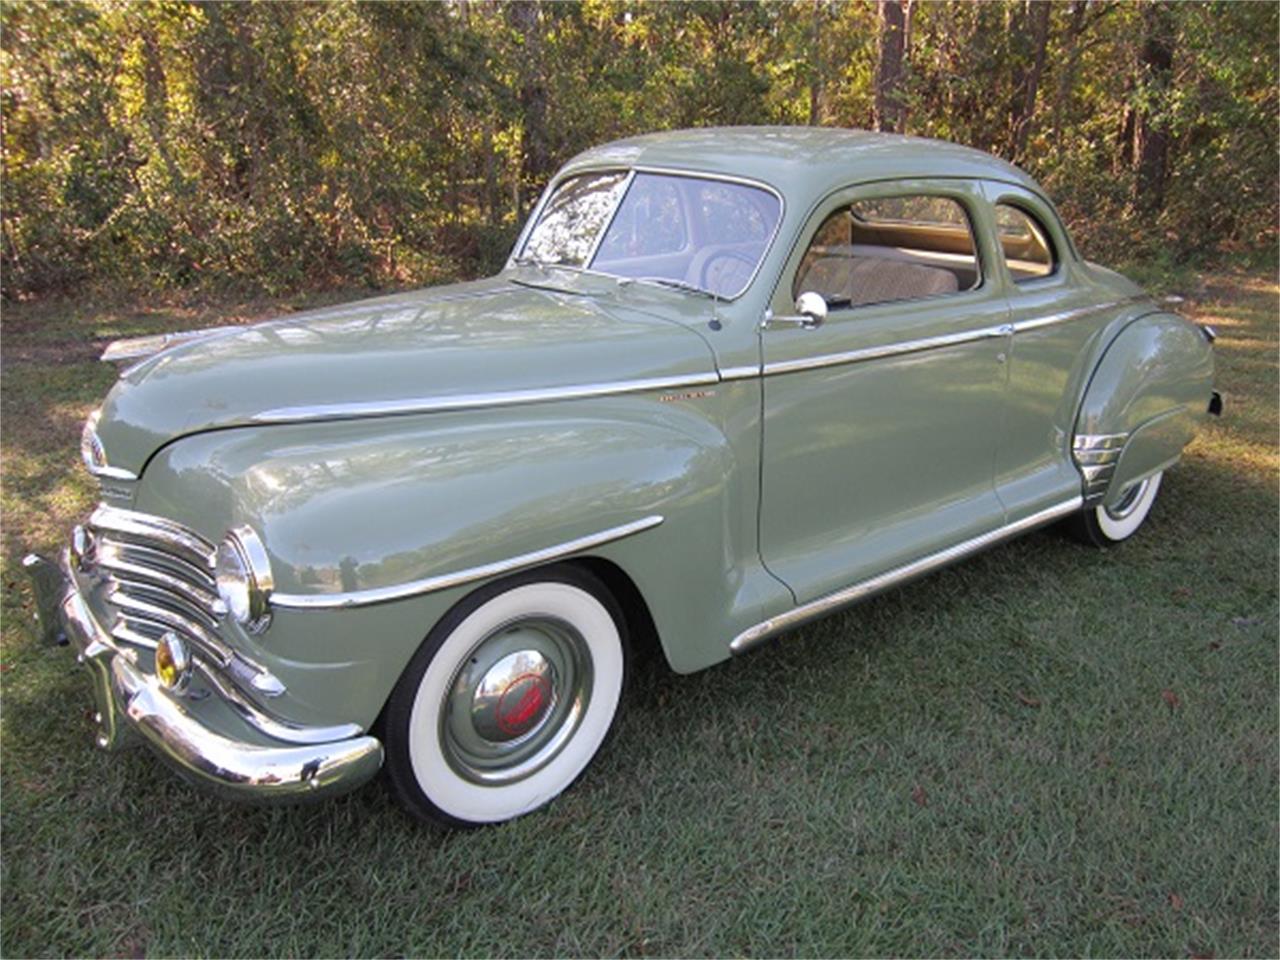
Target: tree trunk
x: 534, y: 155
x: 888, y: 92
x: 1150, y: 129
x: 1124, y: 143
x: 156, y: 106
x: 815, y: 65
x: 1031, y: 77
x: 1067, y: 77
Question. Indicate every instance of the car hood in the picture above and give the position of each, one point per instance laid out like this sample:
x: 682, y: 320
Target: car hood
x: 477, y: 344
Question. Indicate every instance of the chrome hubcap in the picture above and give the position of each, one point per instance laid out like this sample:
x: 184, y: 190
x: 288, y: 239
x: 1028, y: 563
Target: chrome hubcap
x: 1129, y: 502
x: 516, y: 700
x: 514, y: 696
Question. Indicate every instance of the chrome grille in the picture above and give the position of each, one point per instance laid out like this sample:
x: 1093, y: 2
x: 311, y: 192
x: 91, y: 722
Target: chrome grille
x: 158, y: 576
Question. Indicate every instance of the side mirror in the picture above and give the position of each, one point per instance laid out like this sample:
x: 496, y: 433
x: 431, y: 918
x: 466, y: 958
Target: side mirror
x: 812, y: 305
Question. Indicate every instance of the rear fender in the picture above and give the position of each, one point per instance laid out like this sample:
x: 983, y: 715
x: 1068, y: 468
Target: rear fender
x: 1144, y: 403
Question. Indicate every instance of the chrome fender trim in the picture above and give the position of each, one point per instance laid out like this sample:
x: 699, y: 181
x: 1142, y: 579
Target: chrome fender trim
x: 754, y: 636
x: 361, y: 598
x: 475, y: 401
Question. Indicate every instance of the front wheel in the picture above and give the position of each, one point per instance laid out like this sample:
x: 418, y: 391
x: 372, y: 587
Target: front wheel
x: 1104, y: 525
x: 508, y: 699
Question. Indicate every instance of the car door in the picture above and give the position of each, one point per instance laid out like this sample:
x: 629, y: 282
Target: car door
x: 1055, y: 316
x: 880, y: 425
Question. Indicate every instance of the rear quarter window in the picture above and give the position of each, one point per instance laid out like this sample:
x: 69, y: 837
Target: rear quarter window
x: 1026, y: 245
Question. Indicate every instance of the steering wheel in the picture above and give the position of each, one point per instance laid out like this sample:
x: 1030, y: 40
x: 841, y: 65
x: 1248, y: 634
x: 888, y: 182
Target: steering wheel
x: 726, y: 272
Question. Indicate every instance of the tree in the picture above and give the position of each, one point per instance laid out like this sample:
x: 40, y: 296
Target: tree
x: 1024, y: 110
x: 534, y: 156
x: 1150, y: 128
x: 271, y: 147
x: 890, y: 113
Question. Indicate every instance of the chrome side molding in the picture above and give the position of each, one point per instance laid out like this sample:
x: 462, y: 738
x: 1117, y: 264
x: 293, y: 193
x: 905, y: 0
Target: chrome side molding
x: 472, y: 401
x: 886, y: 350
x: 814, y: 609
x: 362, y: 598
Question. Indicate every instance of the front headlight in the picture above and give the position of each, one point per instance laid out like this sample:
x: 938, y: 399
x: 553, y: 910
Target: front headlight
x: 243, y: 574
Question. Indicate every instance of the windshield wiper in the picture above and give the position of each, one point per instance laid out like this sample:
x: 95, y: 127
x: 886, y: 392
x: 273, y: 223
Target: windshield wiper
x: 673, y: 283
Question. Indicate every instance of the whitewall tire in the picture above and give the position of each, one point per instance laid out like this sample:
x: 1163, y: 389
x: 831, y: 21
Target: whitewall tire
x: 508, y: 699
x: 1104, y: 525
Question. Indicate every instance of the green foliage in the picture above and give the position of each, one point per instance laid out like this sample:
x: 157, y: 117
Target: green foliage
x: 282, y: 146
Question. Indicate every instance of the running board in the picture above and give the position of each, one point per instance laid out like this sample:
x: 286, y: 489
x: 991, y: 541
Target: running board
x: 814, y: 609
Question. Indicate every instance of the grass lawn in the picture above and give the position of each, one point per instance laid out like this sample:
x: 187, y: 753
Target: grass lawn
x: 1045, y: 750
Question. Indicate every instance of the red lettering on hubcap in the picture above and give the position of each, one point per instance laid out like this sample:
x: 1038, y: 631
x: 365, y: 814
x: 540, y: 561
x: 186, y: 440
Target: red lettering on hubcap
x: 531, y: 694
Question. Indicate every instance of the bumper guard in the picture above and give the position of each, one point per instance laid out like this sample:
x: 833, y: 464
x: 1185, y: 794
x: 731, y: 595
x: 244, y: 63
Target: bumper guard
x: 126, y: 699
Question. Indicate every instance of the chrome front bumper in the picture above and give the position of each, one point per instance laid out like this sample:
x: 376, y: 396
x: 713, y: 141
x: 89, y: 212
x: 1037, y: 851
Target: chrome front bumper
x: 127, y: 699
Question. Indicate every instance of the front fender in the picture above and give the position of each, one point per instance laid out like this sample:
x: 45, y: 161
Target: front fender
x: 356, y: 506
x: 1146, y: 399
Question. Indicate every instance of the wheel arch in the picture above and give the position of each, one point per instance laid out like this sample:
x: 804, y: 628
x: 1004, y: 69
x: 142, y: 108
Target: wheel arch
x: 642, y: 631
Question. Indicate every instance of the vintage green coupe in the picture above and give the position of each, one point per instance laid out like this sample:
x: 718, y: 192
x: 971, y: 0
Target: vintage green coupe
x: 730, y: 380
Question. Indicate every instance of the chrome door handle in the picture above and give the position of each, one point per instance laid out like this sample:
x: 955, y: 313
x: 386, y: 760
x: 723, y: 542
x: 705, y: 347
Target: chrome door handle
x: 801, y: 320
x: 811, y: 313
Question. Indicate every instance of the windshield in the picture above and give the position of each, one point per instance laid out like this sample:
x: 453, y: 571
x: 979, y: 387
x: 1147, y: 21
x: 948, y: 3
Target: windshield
x: 686, y: 231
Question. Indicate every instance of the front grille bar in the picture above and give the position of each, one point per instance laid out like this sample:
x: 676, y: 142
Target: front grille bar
x: 158, y: 576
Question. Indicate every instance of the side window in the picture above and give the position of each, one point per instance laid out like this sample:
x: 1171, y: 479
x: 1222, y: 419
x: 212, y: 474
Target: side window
x: 1028, y: 251
x: 891, y: 248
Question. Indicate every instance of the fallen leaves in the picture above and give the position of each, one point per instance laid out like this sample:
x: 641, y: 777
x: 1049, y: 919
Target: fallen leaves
x: 918, y: 795
x: 1171, y: 699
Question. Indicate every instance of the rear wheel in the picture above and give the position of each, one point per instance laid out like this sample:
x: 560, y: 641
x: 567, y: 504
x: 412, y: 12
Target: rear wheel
x: 1104, y: 525
x: 508, y: 699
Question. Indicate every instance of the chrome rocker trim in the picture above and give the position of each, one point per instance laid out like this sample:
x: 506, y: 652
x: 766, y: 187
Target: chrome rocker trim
x: 361, y: 598
x: 814, y: 609
x: 127, y: 699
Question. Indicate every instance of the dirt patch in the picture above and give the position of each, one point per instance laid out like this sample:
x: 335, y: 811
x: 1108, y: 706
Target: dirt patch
x: 66, y: 353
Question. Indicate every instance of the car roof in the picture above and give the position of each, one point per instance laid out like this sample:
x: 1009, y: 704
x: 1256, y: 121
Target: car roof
x: 802, y: 163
